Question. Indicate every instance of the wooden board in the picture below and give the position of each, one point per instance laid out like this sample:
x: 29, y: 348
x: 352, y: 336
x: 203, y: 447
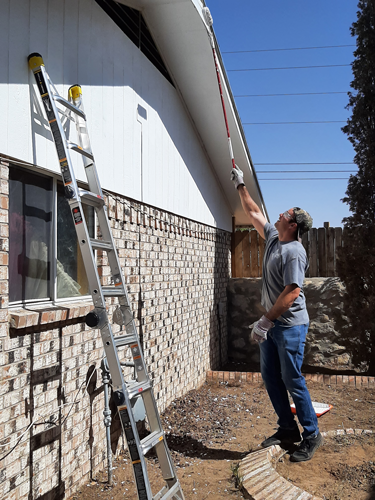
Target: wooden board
x: 322, y: 253
x: 313, y: 252
x: 254, y: 248
x: 246, y: 271
x: 330, y: 235
x: 262, y: 247
x: 305, y: 243
x: 238, y: 258
x: 338, y: 243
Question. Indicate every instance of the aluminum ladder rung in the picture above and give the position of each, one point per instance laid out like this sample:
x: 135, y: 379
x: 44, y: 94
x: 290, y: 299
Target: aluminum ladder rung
x: 112, y: 291
x: 68, y: 105
x: 137, y: 388
x: 166, y: 494
x: 101, y: 245
x: 81, y: 151
x: 125, y: 340
x: 151, y: 440
x: 89, y: 198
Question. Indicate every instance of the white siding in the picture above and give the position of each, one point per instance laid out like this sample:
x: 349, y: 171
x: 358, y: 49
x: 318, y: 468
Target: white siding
x: 81, y: 44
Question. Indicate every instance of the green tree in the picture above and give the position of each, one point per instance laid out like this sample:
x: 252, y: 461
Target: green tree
x: 356, y: 266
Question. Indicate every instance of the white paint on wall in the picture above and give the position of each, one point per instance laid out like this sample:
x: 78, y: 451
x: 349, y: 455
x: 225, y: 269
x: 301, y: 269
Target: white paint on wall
x: 81, y: 44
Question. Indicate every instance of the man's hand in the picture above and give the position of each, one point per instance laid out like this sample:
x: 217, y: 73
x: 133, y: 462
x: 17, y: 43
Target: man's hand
x: 237, y: 177
x: 260, y: 329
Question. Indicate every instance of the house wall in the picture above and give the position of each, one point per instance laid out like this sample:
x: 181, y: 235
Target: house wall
x: 158, y: 160
x: 176, y: 272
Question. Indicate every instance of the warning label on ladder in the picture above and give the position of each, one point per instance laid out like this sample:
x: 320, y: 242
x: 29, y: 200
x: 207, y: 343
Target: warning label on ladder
x: 77, y: 216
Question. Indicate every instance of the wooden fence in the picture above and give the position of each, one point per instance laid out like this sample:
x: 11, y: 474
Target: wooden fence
x: 321, y: 246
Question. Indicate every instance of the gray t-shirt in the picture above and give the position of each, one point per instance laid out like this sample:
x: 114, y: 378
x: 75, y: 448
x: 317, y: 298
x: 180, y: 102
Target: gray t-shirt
x: 284, y: 263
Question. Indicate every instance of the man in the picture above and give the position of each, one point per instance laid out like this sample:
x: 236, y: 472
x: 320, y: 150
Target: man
x: 281, y: 332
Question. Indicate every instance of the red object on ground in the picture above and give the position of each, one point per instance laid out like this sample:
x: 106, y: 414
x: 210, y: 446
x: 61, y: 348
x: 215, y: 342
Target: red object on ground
x: 320, y: 408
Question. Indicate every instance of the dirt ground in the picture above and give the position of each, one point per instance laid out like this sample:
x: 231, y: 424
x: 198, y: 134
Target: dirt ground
x: 210, y: 430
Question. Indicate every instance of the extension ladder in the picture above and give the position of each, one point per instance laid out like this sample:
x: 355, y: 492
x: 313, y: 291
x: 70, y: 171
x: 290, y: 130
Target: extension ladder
x: 124, y: 392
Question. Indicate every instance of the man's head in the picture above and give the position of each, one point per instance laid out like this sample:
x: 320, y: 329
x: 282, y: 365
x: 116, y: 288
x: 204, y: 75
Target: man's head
x: 293, y: 223
x: 304, y: 221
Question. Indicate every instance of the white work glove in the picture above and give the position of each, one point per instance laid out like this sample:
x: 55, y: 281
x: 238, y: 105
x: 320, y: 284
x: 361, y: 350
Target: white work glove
x: 260, y: 329
x: 237, y: 177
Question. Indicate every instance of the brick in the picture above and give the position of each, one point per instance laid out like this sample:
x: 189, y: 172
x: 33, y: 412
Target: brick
x: 17, y: 319
x: 4, y: 259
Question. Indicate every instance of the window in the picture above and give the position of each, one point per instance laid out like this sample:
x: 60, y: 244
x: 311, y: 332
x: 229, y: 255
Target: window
x: 45, y: 261
x: 132, y: 23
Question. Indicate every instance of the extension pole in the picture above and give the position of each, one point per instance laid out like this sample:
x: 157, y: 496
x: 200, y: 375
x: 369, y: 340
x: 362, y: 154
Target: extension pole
x: 209, y: 21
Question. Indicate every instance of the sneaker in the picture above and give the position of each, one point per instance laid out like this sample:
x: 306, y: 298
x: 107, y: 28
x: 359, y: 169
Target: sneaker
x: 283, y: 436
x: 307, y: 449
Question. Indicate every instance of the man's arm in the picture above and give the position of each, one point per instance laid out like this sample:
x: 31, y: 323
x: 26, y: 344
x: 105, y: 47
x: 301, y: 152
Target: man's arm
x: 252, y: 210
x: 284, y: 302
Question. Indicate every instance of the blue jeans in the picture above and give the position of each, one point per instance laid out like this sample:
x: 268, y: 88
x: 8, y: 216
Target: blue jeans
x: 281, y: 357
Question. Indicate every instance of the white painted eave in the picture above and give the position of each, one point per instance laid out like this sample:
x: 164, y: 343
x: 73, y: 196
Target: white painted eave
x: 182, y: 37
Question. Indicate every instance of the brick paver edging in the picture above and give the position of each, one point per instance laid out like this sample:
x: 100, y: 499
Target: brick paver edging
x: 262, y: 482
x: 238, y: 378
x: 342, y: 432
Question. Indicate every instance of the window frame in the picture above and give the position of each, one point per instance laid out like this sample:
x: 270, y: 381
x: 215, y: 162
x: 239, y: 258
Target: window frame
x: 53, y: 299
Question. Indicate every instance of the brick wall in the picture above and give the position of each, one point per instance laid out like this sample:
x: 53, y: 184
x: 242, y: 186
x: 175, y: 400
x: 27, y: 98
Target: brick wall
x: 177, y: 272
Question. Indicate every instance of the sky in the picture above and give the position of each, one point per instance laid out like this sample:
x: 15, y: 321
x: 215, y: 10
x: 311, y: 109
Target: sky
x: 263, y: 25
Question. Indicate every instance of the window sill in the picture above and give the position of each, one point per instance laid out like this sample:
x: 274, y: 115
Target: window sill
x: 46, y: 314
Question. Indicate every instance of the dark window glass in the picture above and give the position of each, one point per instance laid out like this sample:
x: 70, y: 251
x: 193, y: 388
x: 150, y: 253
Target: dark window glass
x: 70, y: 273
x: 30, y: 235
x: 33, y: 257
x: 131, y: 22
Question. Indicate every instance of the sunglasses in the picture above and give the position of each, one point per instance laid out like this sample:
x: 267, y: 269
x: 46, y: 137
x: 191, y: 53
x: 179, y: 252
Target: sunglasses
x: 288, y: 217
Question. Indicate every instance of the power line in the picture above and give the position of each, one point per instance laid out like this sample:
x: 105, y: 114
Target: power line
x: 309, y: 163
x: 291, y: 123
x: 292, y: 48
x: 309, y: 179
x: 294, y: 94
x: 291, y: 67
x: 299, y: 171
